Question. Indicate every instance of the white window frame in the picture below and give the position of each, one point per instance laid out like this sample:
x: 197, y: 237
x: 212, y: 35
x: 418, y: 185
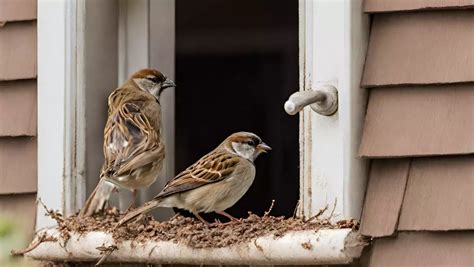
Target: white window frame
x: 330, y: 168
x: 61, y: 132
x: 333, y: 40
x: 62, y: 83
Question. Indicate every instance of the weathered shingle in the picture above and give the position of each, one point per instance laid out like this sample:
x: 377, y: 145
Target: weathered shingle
x: 420, y: 71
x: 18, y: 51
x: 424, y: 249
x: 432, y: 194
x: 439, y: 194
x: 16, y: 10
x: 420, y: 48
x: 383, y: 200
x: 18, y: 152
x: 18, y: 165
x: 372, y: 6
x: 419, y: 121
x: 18, y: 108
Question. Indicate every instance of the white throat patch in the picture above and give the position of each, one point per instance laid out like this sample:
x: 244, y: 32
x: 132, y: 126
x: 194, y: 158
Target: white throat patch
x: 148, y: 86
x: 244, y: 150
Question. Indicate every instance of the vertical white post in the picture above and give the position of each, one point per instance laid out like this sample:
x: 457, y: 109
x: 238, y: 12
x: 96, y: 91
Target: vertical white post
x: 60, y: 143
x: 134, y: 50
x: 354, y: 99
x: 74, y: 109
x: 51, y: 38
x: 333, y: 38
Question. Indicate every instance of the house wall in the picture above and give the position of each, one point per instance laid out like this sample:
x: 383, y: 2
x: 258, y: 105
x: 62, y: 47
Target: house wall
x: 418, y: 132
x: 18, y: 72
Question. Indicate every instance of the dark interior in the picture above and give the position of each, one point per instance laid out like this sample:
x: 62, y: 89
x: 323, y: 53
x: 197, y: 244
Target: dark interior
x: 236, y: 64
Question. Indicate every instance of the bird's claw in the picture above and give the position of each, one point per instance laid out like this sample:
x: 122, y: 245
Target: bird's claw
x: 217, y: 222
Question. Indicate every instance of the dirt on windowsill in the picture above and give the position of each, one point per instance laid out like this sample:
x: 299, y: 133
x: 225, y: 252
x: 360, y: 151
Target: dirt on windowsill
x: 192, y: 232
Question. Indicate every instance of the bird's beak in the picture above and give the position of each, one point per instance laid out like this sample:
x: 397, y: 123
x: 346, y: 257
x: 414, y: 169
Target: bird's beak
x: 168, y: 83
x: 262, y: 147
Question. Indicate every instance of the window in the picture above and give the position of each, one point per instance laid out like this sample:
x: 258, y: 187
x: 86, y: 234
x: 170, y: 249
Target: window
x: 236, y: 63
x: 219, y: 52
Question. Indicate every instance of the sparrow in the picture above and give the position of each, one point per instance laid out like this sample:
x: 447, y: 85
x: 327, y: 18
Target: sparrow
x: 214, y: 183
x: 133, y: 146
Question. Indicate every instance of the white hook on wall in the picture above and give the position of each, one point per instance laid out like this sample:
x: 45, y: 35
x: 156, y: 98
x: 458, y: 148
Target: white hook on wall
x: 322, y: 100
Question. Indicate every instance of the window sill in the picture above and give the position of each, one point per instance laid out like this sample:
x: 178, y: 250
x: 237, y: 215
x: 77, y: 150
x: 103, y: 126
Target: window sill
x: 331, y: 246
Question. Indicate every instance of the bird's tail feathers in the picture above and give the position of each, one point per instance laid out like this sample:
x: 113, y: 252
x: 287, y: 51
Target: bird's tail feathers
x: 139, y: 211
x: 98, y: 199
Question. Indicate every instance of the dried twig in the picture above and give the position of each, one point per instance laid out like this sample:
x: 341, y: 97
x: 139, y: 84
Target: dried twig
x: 51, y: 213
x: 320, y: 212
x: 105, y: 251
x: 266, y: 213
x: 296, y: 208
x: 333, y: 209
x: 48, y: 211
x: 33, y: 245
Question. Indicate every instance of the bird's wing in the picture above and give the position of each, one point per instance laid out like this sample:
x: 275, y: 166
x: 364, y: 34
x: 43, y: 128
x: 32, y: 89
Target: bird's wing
x: 130, y: 140
x: 211, y: 168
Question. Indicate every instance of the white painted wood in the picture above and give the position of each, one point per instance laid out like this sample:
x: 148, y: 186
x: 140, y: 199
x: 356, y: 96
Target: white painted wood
x: 337, y: 246
x: 77, y: 70
x: 75, y: 110
x: 333, y: 39
x: 60, y: 121
x: 51, y: 38
x: 134, y: 51
x: 354, y: 107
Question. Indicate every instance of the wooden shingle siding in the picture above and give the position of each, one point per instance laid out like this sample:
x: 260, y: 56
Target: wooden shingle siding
x: 439, y: 195
x: 419, y: 72
x: 18, y: 51
x: 419, y: 121
x: 386, y: 187
x: 424, y: 249
x: 373, y: 6
x: 18, y: 108
x: 18, y: 161
x: 18, y: 112
x: 17, y: 10
x: 432, y: 193
x: 21, y: 208
x: 420, y: 48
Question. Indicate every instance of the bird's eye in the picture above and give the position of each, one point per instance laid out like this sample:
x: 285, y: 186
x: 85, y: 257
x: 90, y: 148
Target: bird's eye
x: 251, y: 143
x: 154, y: 79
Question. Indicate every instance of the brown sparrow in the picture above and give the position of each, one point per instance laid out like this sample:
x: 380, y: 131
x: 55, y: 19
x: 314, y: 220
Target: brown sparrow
x: 212, y: 184
x: 133, y: 148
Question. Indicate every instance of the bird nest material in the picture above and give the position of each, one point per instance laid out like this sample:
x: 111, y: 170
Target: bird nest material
x: 186, y: 231
x: 191, y: 232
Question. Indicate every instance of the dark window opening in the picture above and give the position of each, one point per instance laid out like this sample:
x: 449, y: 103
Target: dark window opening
x: 236, y: 64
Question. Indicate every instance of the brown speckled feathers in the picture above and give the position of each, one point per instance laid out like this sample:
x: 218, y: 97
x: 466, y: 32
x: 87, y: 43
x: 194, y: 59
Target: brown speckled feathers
x: 211, y: 168
x: 133, y: 149
x: 212, y: 184
x: 132, y: 136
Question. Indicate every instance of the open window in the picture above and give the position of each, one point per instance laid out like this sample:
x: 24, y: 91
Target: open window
x: 235, y: 64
